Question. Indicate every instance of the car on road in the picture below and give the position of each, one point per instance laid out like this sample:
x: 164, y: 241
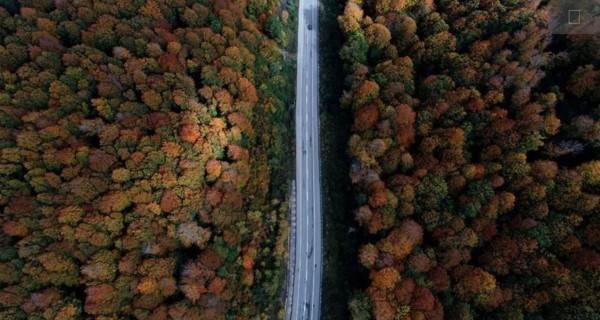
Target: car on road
x: 309, y: 26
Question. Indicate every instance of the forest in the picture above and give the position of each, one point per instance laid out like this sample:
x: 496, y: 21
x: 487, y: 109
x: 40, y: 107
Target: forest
x: 146, y: 155
x: 475, y: 161
x: 143, y: 158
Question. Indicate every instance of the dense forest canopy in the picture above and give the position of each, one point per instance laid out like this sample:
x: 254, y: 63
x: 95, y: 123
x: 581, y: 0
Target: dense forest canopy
x: 475, y: 161
x: 138, y: 141
x: 144, y: 158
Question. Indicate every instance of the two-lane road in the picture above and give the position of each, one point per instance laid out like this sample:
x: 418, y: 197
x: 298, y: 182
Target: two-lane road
x: 305, y: 285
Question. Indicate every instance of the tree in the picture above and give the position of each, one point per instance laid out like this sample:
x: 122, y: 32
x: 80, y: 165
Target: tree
x: 350, y: 20
x: 360, y: 307
x: 378, y: 36
x: 354, y: 51
x: 385, y: 278
x: 367, y: 116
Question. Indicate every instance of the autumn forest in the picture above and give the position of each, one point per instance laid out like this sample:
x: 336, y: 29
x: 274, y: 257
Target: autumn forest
x: 138, y: 140
x: 146, y: 159
x: 474, y: 159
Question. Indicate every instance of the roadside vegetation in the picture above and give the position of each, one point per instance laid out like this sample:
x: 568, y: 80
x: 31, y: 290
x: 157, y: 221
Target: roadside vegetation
x: 474, y: 161
x: 340, y: 241
x: 144, y: 158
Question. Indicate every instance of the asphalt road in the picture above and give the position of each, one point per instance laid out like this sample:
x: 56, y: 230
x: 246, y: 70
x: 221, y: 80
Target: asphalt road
x: 306, y: 254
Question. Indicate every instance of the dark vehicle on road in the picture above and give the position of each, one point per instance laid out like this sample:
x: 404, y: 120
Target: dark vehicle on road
x: 310, y: 27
